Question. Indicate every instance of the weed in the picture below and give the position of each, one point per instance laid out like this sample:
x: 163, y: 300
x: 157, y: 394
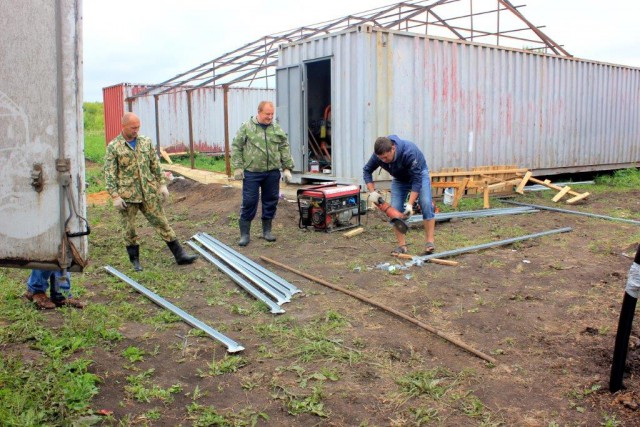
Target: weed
x: 133, y: 354
x: 433, y: 383
x: 610, y: 421
x: 226, y: 365
x: 140, y: 389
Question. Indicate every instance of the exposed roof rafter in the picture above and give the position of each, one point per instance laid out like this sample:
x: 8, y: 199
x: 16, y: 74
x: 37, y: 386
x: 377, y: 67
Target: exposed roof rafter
x: 499, y: 22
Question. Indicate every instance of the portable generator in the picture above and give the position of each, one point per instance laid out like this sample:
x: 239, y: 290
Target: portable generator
x: 329, y: 207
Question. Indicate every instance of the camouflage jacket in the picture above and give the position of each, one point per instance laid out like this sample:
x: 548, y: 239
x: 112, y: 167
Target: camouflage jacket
x: 259, y: 150
x: 134, y: 175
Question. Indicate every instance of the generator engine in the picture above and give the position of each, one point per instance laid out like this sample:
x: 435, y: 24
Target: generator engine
x: 329, y: 207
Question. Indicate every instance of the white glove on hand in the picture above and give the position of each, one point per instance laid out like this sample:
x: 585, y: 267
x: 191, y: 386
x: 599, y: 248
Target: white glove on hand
x: 286, y: 174
x: 119, y: 204
x: 374, y: 196
x: 164, y: 192
x: 408, y: 209
x: 238, y: 174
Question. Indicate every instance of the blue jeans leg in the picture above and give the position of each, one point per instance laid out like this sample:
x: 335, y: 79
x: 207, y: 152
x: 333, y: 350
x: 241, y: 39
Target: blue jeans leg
x: 270, y: 194
x: 38, y: 281
x: 250, y: 195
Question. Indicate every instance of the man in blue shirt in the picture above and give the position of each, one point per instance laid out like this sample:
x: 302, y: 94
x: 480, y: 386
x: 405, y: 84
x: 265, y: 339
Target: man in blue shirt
x: 406, y: 164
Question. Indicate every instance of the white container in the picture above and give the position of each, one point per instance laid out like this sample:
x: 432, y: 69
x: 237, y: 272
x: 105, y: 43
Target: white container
x: 448, y: 196
x: 314, y: 167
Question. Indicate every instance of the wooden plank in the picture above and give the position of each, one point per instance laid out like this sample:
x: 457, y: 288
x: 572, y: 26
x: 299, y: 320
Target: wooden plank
x: 525, y: 179
x: 578, y: 197
x: 511, y: 182
x: 165, y: 156
x: 561, y: 193
x: 433, y: 260
x: 459, y: 192
x: 485, y: 196
x: 353, y: 232
x: 443, y: 173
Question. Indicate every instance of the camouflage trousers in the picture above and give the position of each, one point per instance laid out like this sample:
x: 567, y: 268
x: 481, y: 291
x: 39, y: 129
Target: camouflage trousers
x: 154, y: 214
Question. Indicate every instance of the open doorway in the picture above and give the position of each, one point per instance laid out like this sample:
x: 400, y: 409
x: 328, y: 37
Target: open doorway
x: 318, y: 115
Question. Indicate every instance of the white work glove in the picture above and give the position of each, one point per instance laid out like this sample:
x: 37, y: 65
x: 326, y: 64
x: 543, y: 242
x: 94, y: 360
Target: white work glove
x: 119, y: 204
x: 164, y: 192
x: 374, y: 196
x: 238, y: 174
x: 408, y: 209
x: 286, y: 174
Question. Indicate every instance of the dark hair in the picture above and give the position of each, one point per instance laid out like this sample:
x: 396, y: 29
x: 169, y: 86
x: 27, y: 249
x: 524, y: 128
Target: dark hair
x: 382, y: 145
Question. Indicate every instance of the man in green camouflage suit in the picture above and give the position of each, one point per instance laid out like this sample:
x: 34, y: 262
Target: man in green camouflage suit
x: 260, y: 150
x: 135, y: 183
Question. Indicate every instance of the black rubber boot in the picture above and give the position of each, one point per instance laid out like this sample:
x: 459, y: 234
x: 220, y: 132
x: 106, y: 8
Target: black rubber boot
x: 266, y: 231
x: 245, y: 233
x: 179, y: 253
x: 134, y: 256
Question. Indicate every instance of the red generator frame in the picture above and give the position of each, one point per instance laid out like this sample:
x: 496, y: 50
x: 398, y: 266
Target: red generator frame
x: 329, y: 207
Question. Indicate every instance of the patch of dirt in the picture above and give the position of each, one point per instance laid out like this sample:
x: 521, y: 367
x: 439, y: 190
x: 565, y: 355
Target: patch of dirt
x: 546, y: 309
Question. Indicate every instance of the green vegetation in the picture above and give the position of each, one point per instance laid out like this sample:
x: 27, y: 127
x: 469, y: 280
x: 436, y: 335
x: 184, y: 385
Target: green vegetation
x: 623, y: 178
x: 202, y: 161
x: 93, y: 116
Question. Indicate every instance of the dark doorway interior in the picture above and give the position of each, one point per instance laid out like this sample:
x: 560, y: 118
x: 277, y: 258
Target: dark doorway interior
x: 318, y: 102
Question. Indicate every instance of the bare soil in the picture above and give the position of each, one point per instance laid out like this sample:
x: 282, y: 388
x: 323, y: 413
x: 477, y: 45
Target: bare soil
x: 546, y: 309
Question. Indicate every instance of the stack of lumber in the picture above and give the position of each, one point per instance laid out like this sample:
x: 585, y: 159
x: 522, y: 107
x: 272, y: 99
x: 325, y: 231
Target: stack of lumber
x: 485, y: 180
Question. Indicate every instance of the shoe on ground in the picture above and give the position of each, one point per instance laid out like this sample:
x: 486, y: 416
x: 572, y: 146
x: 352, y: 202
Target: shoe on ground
x: 40, y: 299
x: 400, y: 250
x: 69, y: 302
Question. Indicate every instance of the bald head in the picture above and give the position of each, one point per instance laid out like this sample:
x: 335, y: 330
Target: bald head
x: 130, y: 126
x: 129, y: 117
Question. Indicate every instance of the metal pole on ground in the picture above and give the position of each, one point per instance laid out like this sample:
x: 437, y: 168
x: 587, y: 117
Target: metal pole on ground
x: 387, y: 309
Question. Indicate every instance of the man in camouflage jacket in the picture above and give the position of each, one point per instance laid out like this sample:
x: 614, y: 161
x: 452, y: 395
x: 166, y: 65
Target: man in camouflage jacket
x: 135, y: 183
x: 259, y: 150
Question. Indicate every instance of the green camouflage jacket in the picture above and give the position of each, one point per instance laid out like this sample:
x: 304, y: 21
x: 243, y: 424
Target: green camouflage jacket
x: 259, y: 150
x: 134, y: 175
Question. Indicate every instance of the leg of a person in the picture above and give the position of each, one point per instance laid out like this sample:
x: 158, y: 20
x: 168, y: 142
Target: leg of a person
x: 155, y: 215
x: 129, y: 223
x: 270, y: 192
x: 399, y: 191
x: 250, y: 194
x: 426, y: 205
x: 38, y: 281
x: 64, y: 285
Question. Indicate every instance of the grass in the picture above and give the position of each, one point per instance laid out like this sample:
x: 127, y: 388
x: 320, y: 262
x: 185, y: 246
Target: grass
x: 202, y: 161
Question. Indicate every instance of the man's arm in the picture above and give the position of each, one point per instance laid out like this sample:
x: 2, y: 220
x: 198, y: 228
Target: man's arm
x: 111, y: 171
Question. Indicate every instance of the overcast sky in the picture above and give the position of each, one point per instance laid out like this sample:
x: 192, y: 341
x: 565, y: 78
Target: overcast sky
x: 149, y: 41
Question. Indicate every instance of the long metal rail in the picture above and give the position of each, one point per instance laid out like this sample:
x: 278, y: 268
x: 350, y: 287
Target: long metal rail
x: 446, y: 216
x: 453, y: 252
x: 609, y: 218
x: 289, y: 286
x: 232, y: 346
x: 281, y: 296
x: 275, y: 308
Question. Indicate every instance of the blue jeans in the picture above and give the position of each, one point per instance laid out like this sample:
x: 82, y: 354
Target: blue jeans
x: 400, y: 189
x: 260, y: 185
x: 40, y: 280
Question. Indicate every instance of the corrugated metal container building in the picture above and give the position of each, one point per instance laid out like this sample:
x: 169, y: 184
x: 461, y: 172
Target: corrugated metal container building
x: 464, y: 104
x: 41, y: 137
x: 207, y: 106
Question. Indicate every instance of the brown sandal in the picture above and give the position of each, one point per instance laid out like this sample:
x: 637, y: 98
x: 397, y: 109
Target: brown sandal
x: 429, y: 248
x: 402, y: 249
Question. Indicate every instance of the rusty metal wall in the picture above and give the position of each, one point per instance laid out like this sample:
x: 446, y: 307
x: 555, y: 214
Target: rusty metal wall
x: 469, y: 105
x: 41, y: 127
x: 207, y: 106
